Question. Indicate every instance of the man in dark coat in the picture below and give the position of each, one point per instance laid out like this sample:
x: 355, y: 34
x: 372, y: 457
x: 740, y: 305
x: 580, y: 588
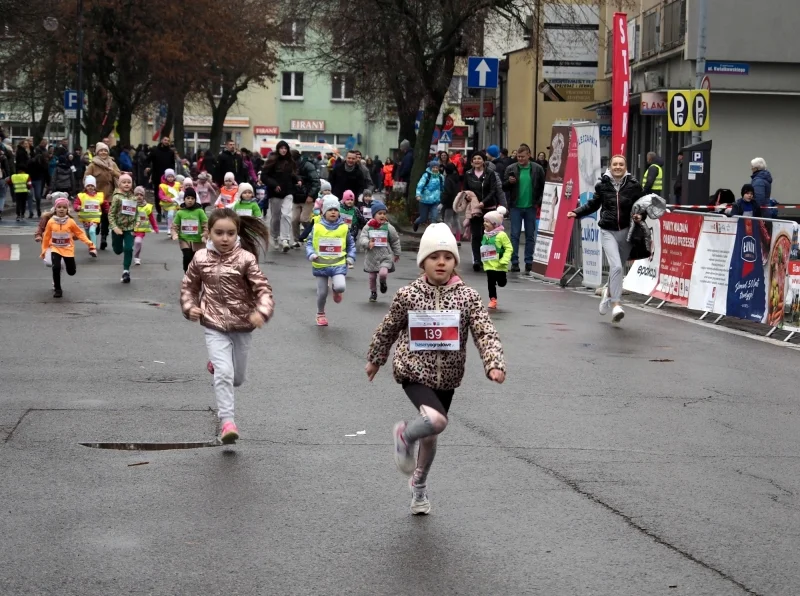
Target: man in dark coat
x: 161, y: 159
x: 347, y: 175
x: 229, y: 160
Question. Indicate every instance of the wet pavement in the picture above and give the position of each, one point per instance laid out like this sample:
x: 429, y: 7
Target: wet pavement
x: 653, y: 457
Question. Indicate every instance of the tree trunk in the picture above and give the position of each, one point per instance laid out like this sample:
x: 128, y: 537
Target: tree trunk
x: 50, y: 96
x: 178, y: 106
x: 407, y: 129
x: 220, y: 112
x: 124, y: 119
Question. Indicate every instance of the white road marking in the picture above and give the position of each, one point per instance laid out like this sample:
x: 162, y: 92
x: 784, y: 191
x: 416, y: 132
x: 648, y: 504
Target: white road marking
x: 14, y: 253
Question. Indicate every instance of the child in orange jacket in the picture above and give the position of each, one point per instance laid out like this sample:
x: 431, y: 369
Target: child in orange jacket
x: 58, y: 239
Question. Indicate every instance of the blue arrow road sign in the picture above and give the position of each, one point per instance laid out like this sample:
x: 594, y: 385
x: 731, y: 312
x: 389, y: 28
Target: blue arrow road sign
x: 417, y: 121
x: 482, y: 72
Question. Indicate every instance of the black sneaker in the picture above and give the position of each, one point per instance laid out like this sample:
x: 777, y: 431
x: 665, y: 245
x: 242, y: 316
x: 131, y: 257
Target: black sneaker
x: 373, y: 296
x: 528, y: 269
x: 158, y: 218
x: 103, y: 244
x: 126, y: 277
x: 383, y: 286
x: 58, y: 294
x: 514, y: 268
x: 476, y: 267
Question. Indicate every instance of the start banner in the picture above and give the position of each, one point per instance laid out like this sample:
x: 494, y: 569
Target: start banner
x: 743, y: 267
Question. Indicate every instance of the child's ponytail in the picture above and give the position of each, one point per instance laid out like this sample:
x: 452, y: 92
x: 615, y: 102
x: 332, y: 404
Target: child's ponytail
x: 253, y: 234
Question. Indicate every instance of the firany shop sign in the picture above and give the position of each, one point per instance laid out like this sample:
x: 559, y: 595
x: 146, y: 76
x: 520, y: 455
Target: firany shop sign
x: 307, y: 125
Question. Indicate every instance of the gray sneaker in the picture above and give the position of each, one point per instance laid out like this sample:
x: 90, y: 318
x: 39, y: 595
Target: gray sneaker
x: 403, y: 454
x: 420, y: 505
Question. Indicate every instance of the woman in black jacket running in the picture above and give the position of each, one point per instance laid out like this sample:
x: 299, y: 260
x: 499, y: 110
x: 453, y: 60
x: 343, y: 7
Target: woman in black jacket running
x: 616, y: 193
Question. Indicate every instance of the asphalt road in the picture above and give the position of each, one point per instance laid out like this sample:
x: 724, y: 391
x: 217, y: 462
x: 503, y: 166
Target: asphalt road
x: 656, y: 457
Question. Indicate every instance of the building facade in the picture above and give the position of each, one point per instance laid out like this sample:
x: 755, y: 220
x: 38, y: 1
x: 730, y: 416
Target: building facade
x: 755, y: 85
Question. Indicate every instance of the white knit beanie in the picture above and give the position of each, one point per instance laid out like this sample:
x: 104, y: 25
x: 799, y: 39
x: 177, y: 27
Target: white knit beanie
x: 437, y: 237
x: 229, y: 176
x: 99, y: 146
x: 496, y: 217
x: 324, y: 185
x: 90, y: 181
x: 243, y: 187
x: 329, y: 202
x: 169, y: 172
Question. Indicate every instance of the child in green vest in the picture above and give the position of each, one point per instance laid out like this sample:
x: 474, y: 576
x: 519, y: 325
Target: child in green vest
x: 381, y: 242
x: 496, y: 252
x: 350, y: 214
x: 20, y: 184
x: 245, y: 203
x: 190, y: 226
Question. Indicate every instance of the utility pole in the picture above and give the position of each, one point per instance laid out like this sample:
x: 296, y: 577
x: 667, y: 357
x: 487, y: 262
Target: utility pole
x: 700, y: 62
x: 80, y: 72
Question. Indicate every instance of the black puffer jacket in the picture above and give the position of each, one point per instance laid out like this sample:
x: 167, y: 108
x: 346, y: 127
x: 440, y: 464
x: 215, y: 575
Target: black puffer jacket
x: 616, y: 214
x: 486, y: 188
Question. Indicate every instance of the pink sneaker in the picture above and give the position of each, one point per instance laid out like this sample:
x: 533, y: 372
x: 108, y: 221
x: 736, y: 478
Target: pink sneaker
x: 229, y: 433
x: 322, y: 320
x: 337, y: 297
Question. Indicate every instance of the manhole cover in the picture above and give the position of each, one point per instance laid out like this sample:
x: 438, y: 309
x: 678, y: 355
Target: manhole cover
x: 153, y: 446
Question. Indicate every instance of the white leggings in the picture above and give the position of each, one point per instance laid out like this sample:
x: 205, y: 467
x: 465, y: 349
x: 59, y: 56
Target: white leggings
x: 617, y: 250
x: 228, y: 353
x: 339, y: 286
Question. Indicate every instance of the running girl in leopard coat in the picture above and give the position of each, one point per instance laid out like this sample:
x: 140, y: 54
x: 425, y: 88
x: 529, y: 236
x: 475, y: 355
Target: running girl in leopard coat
x: 430, y: 320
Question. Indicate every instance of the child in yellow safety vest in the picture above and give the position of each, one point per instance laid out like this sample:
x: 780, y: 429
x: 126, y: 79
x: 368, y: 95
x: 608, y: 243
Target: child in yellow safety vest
x: 89, y: 205
x: 227, y: 194
x: 331, y: 248
x: 21, y: 186
x: 168, y: 192
x: 496, y: 250
x: 145, y: 223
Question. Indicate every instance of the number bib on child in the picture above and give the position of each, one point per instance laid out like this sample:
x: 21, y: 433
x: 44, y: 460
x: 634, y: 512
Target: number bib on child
x: 330, y: 247
x: 60, y: 239
x: 348, y: 219
x: 91, y: 207
x: 434, y: 330
x: 128, y: 207
x: 488, y: 252
x: 379, y: 237
x: 367, y: 211
x: 247, y: 212
x: 190, y: 226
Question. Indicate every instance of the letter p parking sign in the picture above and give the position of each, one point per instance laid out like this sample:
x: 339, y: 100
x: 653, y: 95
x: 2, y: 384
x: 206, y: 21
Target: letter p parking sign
x: 678, y: 111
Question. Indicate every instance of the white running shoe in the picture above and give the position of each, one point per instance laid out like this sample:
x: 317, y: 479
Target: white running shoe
x: 403, y: 454
x: 604, y: 302
x: 137, y: 261
x: 420, y: 505
x: 285, y: 246
x: 617, y: 314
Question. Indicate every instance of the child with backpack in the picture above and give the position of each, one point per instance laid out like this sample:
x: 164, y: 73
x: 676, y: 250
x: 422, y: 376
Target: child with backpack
x: 429, y: 194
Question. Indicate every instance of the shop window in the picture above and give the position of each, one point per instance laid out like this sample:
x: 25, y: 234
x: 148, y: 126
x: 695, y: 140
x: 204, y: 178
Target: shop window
x: 292, y: 87
x: 342, y: 87
x: 342, y: 138
x: 674, y: 24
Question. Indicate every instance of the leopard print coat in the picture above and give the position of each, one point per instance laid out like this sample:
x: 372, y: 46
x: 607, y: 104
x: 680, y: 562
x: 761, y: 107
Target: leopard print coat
x: 436, y: 369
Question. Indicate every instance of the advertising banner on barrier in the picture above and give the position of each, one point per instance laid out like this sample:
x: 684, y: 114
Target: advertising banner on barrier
x: 708, y: 290
x: 560, y: 196
x: 589, y: 166
x: 667, y: 273
x: 792, y: 308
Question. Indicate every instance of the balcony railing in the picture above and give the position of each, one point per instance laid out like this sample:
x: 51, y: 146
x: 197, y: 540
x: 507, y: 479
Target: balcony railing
x: 674, y: 24
x: 650, y: 33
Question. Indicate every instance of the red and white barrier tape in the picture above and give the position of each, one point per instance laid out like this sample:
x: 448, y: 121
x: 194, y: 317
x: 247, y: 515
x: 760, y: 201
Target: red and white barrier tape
x: 727, y: 205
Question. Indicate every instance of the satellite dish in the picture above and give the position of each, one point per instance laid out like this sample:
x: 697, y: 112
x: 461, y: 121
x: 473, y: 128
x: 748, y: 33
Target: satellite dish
x: 51, y: 24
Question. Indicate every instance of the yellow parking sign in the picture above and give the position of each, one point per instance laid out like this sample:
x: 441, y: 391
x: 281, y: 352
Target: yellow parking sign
x: 701, y: 109
x: 678, y: 110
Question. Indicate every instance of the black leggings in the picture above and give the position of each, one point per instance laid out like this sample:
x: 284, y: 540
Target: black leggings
x: 69, y: 262
x: 421, y: 395
x: 188, y: 255
x: 20, y: 201
x: 103, y: 225
x: 476, y: 230
x: 495, y: 278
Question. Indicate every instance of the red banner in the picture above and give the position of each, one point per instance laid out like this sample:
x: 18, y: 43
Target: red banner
x: 621, y: 83
x: 679, y: 235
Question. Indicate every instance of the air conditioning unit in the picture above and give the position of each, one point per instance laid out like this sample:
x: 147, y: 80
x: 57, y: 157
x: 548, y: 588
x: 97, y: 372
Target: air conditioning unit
x: 653, y: 81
